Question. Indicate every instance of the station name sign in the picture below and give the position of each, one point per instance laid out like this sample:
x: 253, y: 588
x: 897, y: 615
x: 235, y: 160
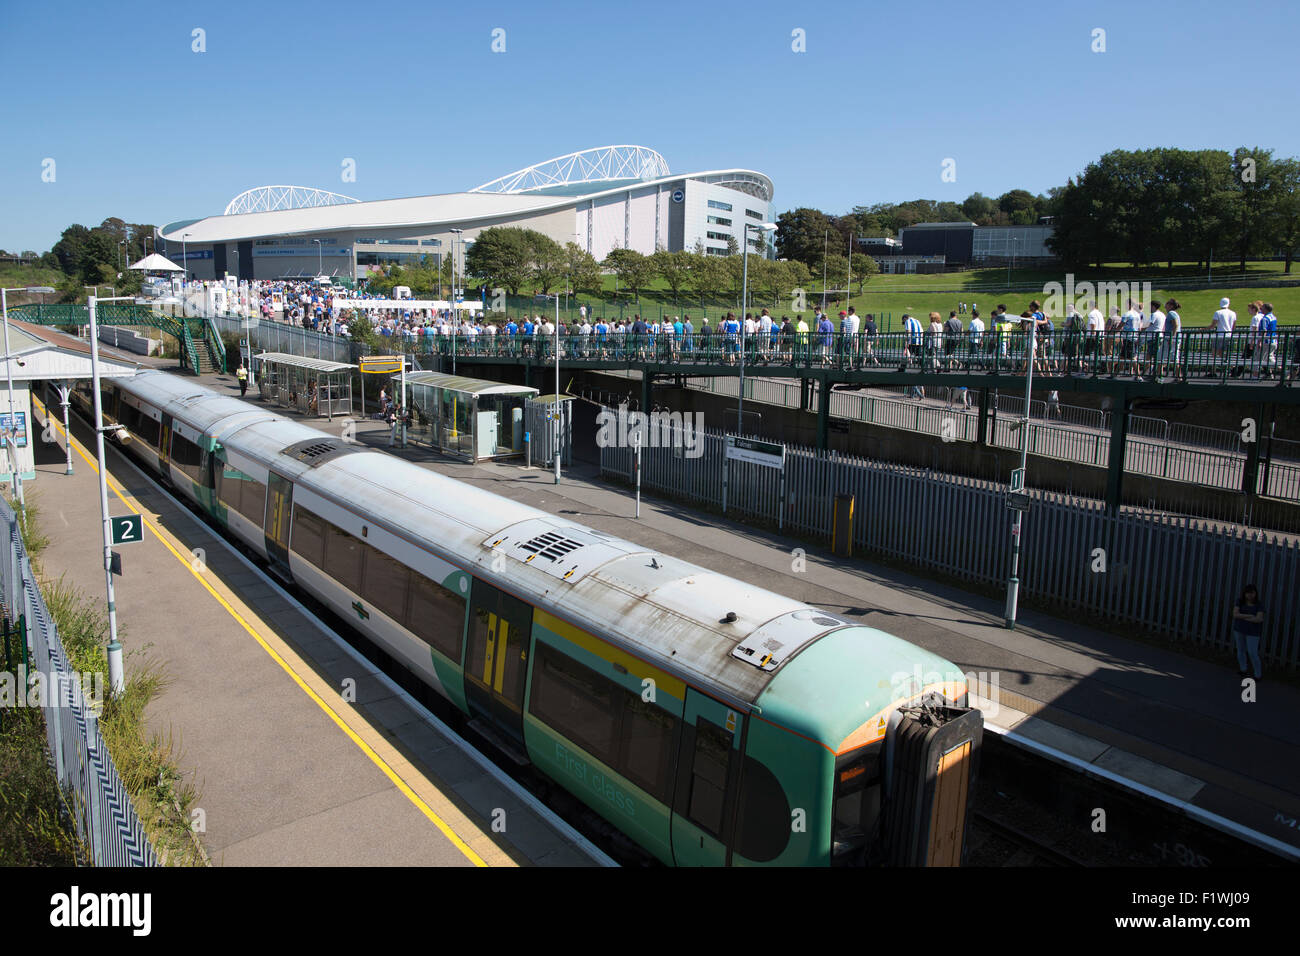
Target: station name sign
x: 766, y: 453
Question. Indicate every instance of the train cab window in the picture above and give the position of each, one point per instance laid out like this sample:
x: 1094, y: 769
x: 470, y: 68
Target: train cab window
x: 386, y: 583
x: 857, y: 803
x: 308, y: 536
x: 709, y: 776
x: 437, y: 615
x: 576, y: 702
x: 647, y: 746
x: 343, y: 558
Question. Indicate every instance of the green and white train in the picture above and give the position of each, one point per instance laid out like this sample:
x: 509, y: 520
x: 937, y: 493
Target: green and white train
x: 710, y: 721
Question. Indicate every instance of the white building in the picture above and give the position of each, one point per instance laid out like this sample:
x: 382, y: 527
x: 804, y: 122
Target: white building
x: 605, y: 198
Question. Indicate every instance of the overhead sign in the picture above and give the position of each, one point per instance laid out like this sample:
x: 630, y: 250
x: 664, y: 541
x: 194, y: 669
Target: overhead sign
x: 127, y: 529
x: 20, y: 436
x: 766, y: 453
x: 381, y: 363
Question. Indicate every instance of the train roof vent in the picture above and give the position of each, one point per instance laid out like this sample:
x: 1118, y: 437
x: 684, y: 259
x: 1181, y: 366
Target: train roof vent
x: 552, y: 546
x: 317, y: 451
x: 562, y: 552
x: 769, y: 645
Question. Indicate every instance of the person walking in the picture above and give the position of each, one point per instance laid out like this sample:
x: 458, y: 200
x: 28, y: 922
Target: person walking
x: 1247, y: 627
x: 242, y: 375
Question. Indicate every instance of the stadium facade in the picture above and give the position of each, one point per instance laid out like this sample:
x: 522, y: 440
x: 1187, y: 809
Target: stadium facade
x: 602, y: 199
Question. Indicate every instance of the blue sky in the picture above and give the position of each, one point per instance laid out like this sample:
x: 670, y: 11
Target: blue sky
x: 140, y: 126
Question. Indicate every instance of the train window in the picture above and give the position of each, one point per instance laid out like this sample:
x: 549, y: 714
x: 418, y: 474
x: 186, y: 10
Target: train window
x: 709, y: 776
x: 147, y: 429
x: 647, y: 744
x: 238, y: 492
x: 343, y: 558
x: 308, y: 536
x: 437, y: 615
x: 857, y: 801
x: 763, y: 829
x: 186, y: 456
x: 386, y: 583
x: 576, y: 702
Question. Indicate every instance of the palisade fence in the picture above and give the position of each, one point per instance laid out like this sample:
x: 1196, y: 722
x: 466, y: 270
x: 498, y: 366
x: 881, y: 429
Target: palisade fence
x: 94, y: 794
x: 1171, y: 576
x: 1154, y: 446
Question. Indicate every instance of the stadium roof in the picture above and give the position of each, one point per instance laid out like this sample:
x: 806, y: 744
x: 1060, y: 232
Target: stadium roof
x: 553, y: 185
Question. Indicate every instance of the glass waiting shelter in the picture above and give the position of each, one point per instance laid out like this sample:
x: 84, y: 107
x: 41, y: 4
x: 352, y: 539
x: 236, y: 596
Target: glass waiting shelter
x: 312, y: 386
x: 467, y: 417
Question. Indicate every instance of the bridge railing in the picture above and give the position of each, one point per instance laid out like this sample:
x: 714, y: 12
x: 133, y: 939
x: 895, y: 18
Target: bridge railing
x: 1187, y: 355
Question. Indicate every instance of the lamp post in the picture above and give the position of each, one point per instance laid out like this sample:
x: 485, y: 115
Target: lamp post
x: 555, y: 410
x: 116, y: 680
x: 11, y: 431
x: 763, y: 227
x: 185, y: 259
x: 320, y: 259
x: 1013, y: 583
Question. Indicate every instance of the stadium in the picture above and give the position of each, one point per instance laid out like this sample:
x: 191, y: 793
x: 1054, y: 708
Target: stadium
x: 604, y: 198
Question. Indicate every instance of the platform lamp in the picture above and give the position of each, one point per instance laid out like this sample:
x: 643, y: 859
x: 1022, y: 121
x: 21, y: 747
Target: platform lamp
x: 10, y: 432
x: 116, y: 680
x: 320, y: 258
x: 762, y: 227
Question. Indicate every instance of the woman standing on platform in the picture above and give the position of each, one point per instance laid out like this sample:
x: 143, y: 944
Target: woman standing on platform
x: 1247, y: 626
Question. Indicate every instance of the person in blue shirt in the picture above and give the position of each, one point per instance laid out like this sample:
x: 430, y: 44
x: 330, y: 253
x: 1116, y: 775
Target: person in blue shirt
x: 825, y: 335
x: 912, y: 327
x: 1268, y: 330
x: 1247, y: 628
x: 688, y: 333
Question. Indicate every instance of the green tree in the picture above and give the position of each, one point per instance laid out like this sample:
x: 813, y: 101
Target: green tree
x: 548, y: 261
x: 673, y: 267
x: 584, y: 270
x: 864, y: 267
x: 1286, y: 209
x: 1253, y: 170
x: 800, y: 234
x: 500, y: 256
x: 632, y: 268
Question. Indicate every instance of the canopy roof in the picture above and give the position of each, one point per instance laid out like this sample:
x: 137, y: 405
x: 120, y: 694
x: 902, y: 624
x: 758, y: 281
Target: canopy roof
x: 155, y: 263
x: 470, y: 386
x: 299, y: 361
x: 38, y: 353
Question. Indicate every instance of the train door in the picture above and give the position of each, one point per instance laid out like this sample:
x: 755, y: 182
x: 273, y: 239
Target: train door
x: 496, y: 660
x: 279, y: 508
x: 164, y: 446
x: 708, y: 771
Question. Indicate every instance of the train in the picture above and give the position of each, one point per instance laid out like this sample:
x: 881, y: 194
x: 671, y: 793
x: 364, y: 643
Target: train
x: 709, y: 721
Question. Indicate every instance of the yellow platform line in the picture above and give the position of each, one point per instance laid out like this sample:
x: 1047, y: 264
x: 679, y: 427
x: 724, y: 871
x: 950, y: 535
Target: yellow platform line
x: 187, y: 561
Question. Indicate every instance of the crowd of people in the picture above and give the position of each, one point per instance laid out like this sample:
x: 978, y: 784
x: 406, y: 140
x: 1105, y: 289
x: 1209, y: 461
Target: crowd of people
x: 1143, y: 340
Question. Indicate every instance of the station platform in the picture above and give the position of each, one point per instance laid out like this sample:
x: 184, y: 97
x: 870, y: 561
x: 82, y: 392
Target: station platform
x: 1162, y: 723
x: 302, y: 752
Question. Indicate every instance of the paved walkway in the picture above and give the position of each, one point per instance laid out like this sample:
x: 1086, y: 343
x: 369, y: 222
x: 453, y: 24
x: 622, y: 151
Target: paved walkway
x: 288, y: 770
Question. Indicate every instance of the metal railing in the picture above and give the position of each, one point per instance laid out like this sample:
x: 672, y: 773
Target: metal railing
x: 95, y: 797
x: 1176, y: 577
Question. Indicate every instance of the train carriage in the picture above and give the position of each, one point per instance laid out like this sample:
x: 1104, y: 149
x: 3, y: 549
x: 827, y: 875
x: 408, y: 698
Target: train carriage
x: 711, y: 721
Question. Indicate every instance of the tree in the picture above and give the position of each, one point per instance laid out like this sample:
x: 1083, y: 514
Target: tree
x: 707, y: 274
x: 864, y: 267
x: 673, y: 267
x: 1020, y: 206
x: 1286, y: 209
x: 71, y: 247
x: 547, y: 259
x: 801, y: 233
x: 836, y: 271
x: 632, y: 268
x: 1253, y: 170
x: 501, y: 257
x: 584, y: 270
x: 980, y: 209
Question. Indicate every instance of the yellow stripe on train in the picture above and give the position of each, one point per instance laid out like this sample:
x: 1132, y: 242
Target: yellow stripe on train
x: 608, y: 652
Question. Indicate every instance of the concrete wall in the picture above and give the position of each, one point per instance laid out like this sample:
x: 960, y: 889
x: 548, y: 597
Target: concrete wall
x: 128, y: 340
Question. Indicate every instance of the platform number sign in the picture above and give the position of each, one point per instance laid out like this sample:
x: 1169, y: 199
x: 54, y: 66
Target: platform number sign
x: 127, y: 529
x: 1018, y: 479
